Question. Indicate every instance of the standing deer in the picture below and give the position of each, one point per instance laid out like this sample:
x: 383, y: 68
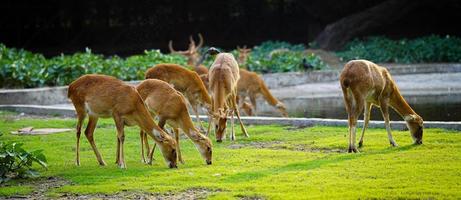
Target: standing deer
x: 186, y: 82
x: 223, y: 78
x: 251, y: 85
x: 192, y: 54
x: 365, y: 84
x: 243, y: 55
x: 105, y: 96
x: 169, y: 105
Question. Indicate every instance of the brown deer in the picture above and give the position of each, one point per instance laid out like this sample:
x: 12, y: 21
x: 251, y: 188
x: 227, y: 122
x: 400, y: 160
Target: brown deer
x: 105, y: 96
x: 223, y: 78
x: 365, y: 84
x: 186, y: 82
x: 251, y: 85
x: 192, y: 54
x: 243, y: 55
x: 169, y: 105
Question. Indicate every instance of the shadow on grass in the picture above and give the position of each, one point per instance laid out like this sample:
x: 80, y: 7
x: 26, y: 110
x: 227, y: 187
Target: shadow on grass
x: 309, y: 165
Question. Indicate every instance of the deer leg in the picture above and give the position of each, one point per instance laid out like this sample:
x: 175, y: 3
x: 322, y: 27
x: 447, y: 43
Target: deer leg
x: 119, y: 124
x: 161, y: 124
x: 81, y: 117
x: 359, y: 105
x: 366, y: 119
x: 143, y: 141
x: 176, y: 136
x: 194, y: 107
x: 89, y: 135
x: 236, y: 110
x: 385, y: 112
x: 232, y: 126
x: 253, y: 103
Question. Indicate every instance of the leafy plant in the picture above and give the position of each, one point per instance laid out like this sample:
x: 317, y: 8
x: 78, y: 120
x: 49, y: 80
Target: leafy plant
x: 431, y: 48
x: 17, y: 162
x: 281, y: 57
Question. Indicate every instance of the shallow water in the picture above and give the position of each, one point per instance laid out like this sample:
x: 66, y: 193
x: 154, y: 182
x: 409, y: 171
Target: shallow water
x: 429, y: 112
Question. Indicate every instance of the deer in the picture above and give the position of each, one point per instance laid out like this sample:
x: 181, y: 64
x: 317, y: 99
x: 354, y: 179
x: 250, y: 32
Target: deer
x: 252, y: 85
x: 186, y: 82
x: 192, y: 54
x: 101, y: 96
x: 223, y: 79
x: 243, y: 55
x: 365, y: 84
x: 170, y: 107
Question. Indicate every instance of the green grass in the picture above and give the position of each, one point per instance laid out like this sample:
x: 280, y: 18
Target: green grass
x: 294, y: 163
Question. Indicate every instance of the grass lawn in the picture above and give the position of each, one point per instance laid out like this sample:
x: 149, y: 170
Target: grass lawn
x: 276, y: 162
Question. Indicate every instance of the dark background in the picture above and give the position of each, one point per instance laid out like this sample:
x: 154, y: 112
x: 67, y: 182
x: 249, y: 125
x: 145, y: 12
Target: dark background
x: 128, y: 27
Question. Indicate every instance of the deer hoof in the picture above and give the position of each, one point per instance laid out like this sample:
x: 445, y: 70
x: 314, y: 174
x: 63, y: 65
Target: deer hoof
x: 352, y: 150
x: 394, y: 144
x: 360, y: 144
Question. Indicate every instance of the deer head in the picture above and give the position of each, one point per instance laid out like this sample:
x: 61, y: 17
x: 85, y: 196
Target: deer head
x: 243, y: 54
x: 415, y: 124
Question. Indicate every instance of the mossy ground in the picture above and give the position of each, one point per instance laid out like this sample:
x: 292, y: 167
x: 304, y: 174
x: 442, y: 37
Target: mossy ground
x: 276, y: 162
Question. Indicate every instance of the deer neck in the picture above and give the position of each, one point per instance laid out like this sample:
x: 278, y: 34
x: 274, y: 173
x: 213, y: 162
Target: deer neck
x: 400, y: 105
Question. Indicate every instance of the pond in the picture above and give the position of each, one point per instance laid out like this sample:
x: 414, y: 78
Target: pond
x: 430, y: 108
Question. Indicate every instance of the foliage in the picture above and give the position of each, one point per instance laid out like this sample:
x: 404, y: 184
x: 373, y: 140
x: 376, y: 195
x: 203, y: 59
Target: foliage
x: 20, y: 68
x: 431, y: 48
x: 17, y: 162
x: 276, y: 162
x: 276, y: 56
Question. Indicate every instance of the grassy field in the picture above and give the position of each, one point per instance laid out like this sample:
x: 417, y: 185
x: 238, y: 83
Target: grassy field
x: 276, y: 162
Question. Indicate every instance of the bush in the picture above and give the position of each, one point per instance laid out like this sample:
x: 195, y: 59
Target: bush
x: 20, y: 68
x: 425, y: 49
x: 17, y: 162
x: 281, y: 57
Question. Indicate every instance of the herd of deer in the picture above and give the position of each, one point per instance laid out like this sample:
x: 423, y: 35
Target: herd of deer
x: 170, y: 88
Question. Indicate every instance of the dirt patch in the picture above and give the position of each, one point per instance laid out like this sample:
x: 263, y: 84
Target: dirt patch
x: 193, y: 193
x: 309, y: 148
x: 277, y: 145
x: 41, y: 185
x: 258, y: 145
x: 251, y: 197
x: 44, y: 185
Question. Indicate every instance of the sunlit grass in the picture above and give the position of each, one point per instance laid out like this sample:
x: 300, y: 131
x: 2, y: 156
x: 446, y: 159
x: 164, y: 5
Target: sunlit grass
x: 275, y: 162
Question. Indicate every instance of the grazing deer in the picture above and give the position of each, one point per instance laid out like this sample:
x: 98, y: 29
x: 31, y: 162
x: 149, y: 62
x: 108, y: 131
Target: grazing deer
x: 367, y: 84
x: 105, y: 96
x: 169, y: 105
x: 223, y: 78
x: 192, y: 54
x: 243, y: 55
x: 251, y: 85
x: 186, y: 82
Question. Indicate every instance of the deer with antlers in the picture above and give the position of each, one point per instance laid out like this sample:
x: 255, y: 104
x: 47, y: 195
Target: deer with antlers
x: 186, y: 82
x: 223, y: 78
x: 170, y: 107
x: 105, y: 96
x: 192, y: 54
x: 365, y: 84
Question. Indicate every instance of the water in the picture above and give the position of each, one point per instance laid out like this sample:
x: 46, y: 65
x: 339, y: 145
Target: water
x: 430, y: 108
x: 429, y: 112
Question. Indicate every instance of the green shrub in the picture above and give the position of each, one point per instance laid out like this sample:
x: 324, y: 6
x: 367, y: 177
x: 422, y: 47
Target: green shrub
x: 20, y: 68
x: 431, y: 48
x: 281, y: 57
x: 17, y: 162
